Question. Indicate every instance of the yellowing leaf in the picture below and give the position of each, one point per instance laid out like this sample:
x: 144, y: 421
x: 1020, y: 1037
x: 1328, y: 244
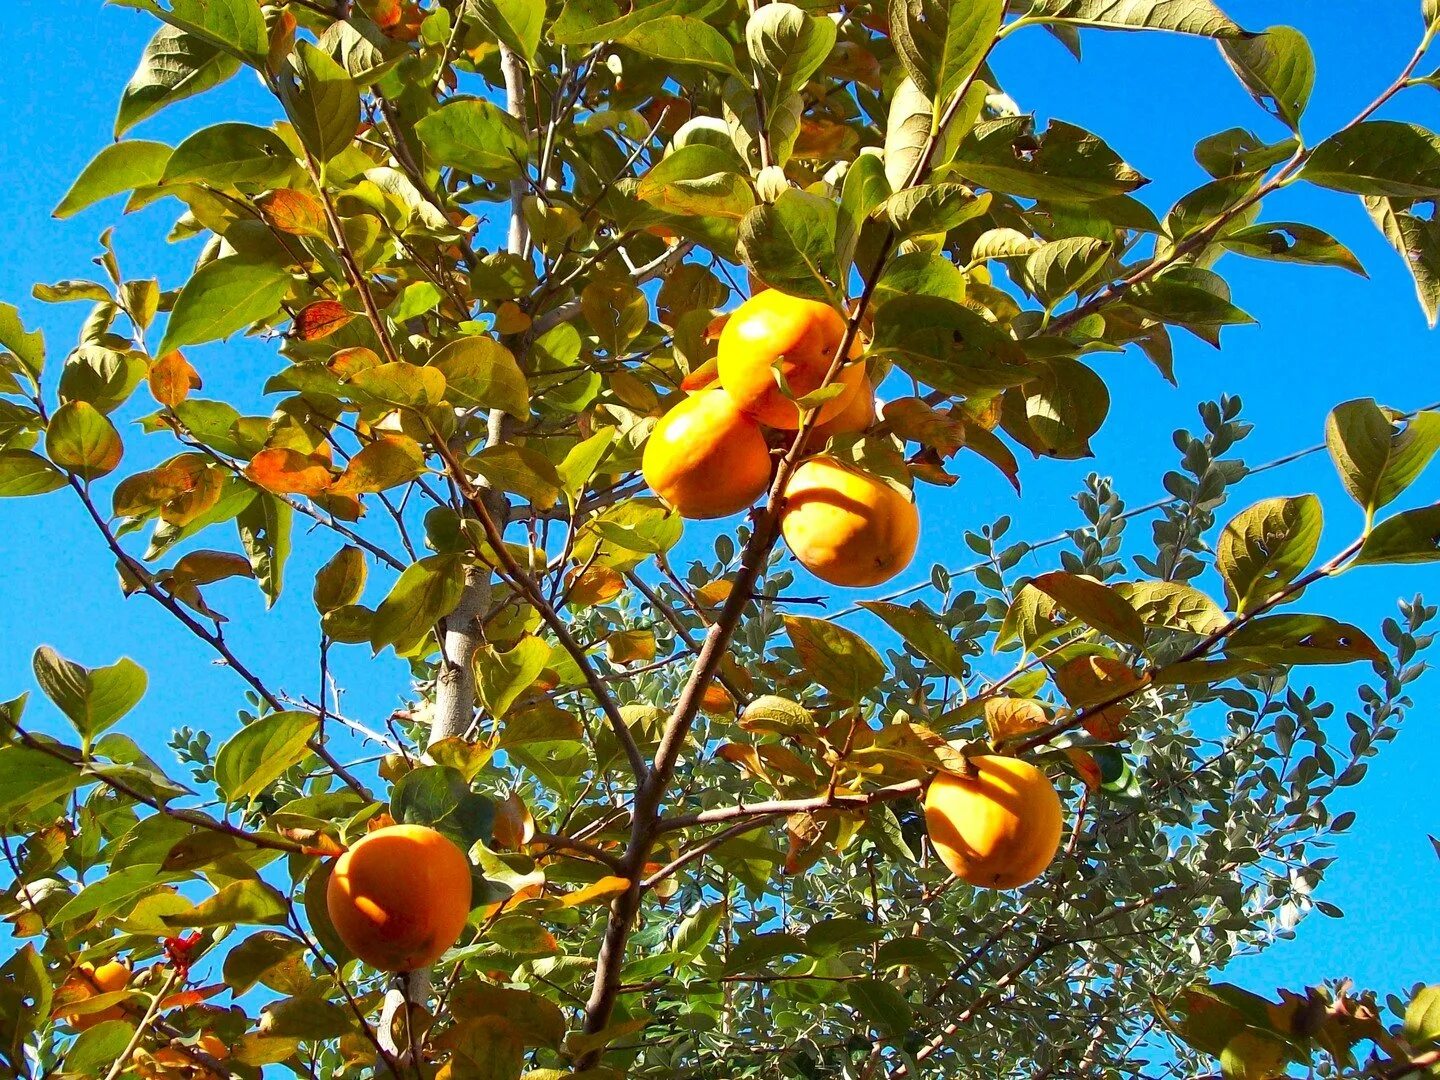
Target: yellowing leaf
x: 379, y: 465
x: 603, y: 889
x: 172, y: 378
x: 283, y: 471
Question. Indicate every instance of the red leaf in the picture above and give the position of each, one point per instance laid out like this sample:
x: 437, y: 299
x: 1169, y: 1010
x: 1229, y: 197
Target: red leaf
x: 321, y: 319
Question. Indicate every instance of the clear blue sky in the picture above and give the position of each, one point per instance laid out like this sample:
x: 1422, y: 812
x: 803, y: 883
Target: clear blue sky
x: 1324, y: 336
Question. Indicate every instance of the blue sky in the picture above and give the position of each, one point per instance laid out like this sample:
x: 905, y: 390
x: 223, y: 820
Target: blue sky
x: 1324, y: 336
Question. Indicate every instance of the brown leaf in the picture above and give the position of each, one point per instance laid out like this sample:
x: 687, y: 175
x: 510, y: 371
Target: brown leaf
x: 321, y: 319
x: 511, y: 319
x: 295, y: 212
x: 593, y: 585
x: 1088, y: 680
x: 172, y: 378
x: 630, y: 646
x: 1086, y: 766
x: 288, y: 472
x: 1007, y: 717
x: 513, y: 827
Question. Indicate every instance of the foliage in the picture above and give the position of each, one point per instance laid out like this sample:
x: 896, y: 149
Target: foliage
x: 691, y: 799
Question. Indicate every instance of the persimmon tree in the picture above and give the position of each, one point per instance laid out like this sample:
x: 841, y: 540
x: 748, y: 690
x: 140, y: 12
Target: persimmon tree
x: 492, y: 243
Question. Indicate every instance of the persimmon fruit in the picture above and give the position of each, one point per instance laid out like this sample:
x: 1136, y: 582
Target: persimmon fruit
x: 705, y: 458
x: 997, y: 827
x: 400, y: 897
x: 773, y: 330
x: 847, y: 527
x: 92, y: 980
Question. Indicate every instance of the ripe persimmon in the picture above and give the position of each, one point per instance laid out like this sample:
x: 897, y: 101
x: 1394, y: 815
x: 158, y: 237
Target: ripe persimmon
x: 90, y: 981
x: 997, y: 827
x: 706, y: 459
x: 773, y: 330
x: 847, y: 527
x: 400, y: 897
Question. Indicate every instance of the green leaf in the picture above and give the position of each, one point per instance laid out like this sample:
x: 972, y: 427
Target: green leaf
x: 262, y: 752
x: 1057, y: 411
x: 1056, y: 269
x: 947, y: 346
x: 98, y: 1048
x: 25, y: 996
x: 324, y: 104
x: 121, y: 166
x: 580, y: 463
x: 1095, y: 604
x: 501, y: 677
x: 237, y: 26
x: 839, y: 659
x: 519, y: 470
x: 1266, y: 547
x: 943, y: 42
x: 1301, y: 639
x: 790, y: 244
x: 933, y: 208
x: 424, y: 594
x: 1277, y: 67
x: 24, y: 472
x: 81, y: 439
x: 228, y: 154
x: 406, y: 385
x: 696, y: 931
x: 1417, y: 240
x: 28, y: 346
x: 224, y: 296
x: 882, y: 1005
x: 1253, y: 1055
x: 907, y: 132
x: 1180, y: 16
x: 1065, y: 163
x: 1176, y: 299
x: 1288, y: 241
x: 864, y: 188
x: 516, y: 23
x: 475, y: 136
x: 1377, y: 454
x: 341, y: 581
x: 439, y: 797
x: 1409, y: 537
x: 1379, y: 157
x: 174, y: 66
x: 680, y: 39
x: 1237, y: 152
x: 1422, y: 1018
x: 1172, y: 606
x: 30, y: 779
x: 268, y: 956
x: 93, y: 699
x: 786, y: 46
x: 240, y: 903
x: 264, y: 526
x: 922, y: 630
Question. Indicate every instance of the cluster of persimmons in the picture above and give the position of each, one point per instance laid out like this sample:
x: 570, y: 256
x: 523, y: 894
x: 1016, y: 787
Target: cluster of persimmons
x: 708, y: 457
